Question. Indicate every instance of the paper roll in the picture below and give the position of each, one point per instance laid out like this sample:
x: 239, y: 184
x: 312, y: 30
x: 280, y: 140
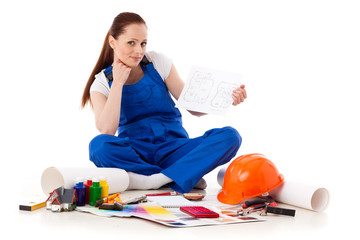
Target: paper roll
x: 294, y: 193
x: 302, y: 195
x: 52, y: 178
x: 221, y: 175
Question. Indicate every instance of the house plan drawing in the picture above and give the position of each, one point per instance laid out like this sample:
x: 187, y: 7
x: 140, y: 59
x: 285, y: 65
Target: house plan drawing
x: 208, y: 90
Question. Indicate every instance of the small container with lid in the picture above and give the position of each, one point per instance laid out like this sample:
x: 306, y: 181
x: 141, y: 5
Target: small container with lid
x: 95, y: 191
x: 105, y: 187
x: 87, y: 184
x: 80, y: 192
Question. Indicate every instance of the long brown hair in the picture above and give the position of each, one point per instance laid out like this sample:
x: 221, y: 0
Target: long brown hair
x: 106, y: 57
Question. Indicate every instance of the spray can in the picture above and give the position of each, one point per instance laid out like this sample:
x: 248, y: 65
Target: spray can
x: 87, y: 185
x: 104, y: 187
x: 95, y: 191
x: 80, y: 192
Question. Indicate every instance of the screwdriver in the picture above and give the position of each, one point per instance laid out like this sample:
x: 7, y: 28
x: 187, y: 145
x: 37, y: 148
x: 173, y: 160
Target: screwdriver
x: 247, y: 204
x: 279, y: 211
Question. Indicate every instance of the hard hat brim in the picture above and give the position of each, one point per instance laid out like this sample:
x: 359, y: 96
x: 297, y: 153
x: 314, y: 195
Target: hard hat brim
x: 233, y: 199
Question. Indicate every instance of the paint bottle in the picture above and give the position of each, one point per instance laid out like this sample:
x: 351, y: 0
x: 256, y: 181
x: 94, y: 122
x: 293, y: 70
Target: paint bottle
x: 105, y: 187
x: 87, y: 184
x: 80, y: 192
x: 95, y: 191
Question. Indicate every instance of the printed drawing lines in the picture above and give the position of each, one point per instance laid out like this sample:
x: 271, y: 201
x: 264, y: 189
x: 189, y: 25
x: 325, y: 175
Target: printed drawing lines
x: 208, y: 90
x: 223, y: 97
x: 200, y: 87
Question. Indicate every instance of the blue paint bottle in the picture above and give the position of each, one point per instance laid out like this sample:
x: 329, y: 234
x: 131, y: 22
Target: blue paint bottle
x: 80, y: 192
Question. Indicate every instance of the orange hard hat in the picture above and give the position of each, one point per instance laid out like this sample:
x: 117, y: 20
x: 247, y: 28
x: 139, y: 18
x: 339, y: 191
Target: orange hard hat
x: 249, y: 176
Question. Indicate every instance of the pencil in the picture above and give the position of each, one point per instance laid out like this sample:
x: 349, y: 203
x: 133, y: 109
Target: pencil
x: 163, y: 194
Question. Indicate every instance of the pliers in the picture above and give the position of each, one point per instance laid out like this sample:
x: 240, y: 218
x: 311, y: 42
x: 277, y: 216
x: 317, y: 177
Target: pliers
x: 265, y: 206
x: 248, y: 207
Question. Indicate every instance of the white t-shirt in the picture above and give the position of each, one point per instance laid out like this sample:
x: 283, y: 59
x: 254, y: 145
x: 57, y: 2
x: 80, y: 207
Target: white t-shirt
x: 161, y: 63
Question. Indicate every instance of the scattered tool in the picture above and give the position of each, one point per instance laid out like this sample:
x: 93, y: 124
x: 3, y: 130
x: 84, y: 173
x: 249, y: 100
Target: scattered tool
x: 194, y: 196
x: 251, y: 209
x: 278, y: 210
x: 200, y: 212
x: 163, y: 194
x: 247, y: 204
x: 135, y: 200
x: 270, y: 201
x: 112, y: 206
x: 264, y: 205
x: 109, y: 199
x: 31, y: 206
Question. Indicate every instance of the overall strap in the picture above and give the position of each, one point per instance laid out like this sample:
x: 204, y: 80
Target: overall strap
x: 108, y: 71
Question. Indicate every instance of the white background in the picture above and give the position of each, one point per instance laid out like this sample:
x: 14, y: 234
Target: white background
x: 299, y: 61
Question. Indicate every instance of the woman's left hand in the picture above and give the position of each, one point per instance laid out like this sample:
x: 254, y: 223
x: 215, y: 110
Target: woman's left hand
x: 239, y: 95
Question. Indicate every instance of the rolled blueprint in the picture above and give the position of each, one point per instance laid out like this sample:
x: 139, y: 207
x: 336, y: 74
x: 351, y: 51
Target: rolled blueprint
x: 295, y: 193
x: 52, y: 178
x: 221, y: 175
x: 302, y: 195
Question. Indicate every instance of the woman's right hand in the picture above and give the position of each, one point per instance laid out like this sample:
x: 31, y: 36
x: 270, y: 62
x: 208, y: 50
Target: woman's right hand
x: 120, y: 71
x: 107, y: 109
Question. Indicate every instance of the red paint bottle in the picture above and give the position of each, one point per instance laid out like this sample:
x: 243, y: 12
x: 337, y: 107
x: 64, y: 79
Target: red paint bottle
x: 87, y: 184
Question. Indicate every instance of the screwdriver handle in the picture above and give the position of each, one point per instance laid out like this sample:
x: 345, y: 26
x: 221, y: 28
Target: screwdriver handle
x: 247, y: 204
x: 258, y: 206
x: 280, y: 211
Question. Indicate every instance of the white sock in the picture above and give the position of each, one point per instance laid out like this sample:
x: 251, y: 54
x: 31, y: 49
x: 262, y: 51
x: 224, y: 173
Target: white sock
x: 143, y: 182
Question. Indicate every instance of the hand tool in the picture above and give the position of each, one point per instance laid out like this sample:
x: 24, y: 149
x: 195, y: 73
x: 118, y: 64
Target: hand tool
x: 253, y: 208
x: 247, y: 204
x: 278, y: 210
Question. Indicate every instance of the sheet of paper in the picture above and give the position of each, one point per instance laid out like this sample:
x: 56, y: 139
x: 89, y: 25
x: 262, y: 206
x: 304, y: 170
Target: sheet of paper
x: 208, y: 90
x: 172, y: 217
x: 171, y: 201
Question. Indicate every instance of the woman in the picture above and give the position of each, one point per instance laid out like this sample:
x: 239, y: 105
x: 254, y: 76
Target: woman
x: 129, y: 91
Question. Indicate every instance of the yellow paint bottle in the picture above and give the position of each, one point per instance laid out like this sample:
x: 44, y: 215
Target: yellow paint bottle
x: 105, y: 187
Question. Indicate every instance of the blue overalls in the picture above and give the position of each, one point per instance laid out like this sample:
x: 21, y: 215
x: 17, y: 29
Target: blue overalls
x: 151, y: 138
